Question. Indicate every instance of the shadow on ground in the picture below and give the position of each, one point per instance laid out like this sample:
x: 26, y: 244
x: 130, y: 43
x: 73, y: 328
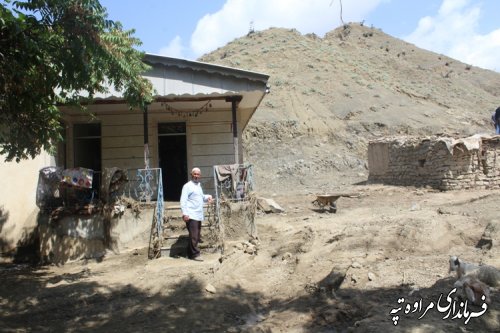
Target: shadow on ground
x: 31, y: 300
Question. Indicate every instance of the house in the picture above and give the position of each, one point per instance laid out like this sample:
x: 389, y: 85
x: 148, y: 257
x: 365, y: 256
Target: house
x: 197, y: 118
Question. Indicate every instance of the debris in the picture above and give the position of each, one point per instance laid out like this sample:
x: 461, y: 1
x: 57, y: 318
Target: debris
x: 250, y: 248
x: 356, y: 264
x: 441, y: 211
x: 254, y: 241
x: 491, y: 233
x: 371, y: 276
x: 415, y: 207
x: 269, y: 205
x: 118, y: 209
x: 211, y: 289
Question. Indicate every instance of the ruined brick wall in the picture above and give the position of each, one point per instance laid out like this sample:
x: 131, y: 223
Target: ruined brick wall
x: 441, y: 163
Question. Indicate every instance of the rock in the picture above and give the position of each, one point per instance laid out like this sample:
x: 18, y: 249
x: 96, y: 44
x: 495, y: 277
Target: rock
x: 250, y: 249
x: 211, y: 289
x: 356, y: 264
x: 286, y: 256
x: 371, y: 276
x: 311, y: 288
x: 490, y: 235
x: 269, y: 205
x: 254, y: 241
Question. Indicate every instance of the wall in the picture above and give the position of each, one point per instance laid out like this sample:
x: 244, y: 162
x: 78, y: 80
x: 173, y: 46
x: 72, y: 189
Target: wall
x: 211, y: 144
x: 441, y: 163
x: 17, y: 199
x: 209, y: 138
x: 77, y: 236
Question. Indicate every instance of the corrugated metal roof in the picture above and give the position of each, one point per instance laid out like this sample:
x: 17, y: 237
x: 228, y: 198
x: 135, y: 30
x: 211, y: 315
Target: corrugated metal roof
x: 202, y: 66
x: 175, y: 78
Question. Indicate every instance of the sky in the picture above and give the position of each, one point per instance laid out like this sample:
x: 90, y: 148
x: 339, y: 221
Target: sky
x: 466, y: 30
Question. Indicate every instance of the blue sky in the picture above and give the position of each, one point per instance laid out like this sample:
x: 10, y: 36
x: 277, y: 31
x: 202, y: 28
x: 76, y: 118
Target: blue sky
x: 467, y: 30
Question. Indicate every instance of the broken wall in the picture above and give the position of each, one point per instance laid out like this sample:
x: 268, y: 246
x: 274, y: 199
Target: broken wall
x: 79, y: 236
x: 439, y: 162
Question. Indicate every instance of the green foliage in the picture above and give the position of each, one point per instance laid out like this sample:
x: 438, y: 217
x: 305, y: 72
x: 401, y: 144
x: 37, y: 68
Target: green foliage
x: 59, y: 52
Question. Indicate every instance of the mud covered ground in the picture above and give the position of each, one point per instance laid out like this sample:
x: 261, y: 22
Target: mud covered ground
x: 385, y: 243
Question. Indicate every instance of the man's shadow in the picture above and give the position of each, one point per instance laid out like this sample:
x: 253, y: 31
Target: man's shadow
x: 179, y: 248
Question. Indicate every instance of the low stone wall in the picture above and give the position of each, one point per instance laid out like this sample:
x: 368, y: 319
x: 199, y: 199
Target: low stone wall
x: 438, y: 162
x: 73, y: 236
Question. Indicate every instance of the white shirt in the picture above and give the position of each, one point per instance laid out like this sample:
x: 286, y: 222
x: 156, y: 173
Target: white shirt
x: 192, y: 199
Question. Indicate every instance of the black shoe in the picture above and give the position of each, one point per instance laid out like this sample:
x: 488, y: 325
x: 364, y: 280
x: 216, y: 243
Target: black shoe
x: 201, y: 241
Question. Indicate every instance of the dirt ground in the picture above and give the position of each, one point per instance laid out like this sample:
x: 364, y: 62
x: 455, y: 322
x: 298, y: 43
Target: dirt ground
x: 389, y: 242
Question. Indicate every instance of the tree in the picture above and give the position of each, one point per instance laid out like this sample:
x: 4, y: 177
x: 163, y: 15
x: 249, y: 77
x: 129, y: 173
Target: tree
x: 55, y: 52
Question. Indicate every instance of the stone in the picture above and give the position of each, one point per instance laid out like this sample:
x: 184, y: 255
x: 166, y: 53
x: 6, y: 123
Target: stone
x: 211, y: 289
x: 250, y: 249
x: 490, y: 235
x: 269, y: 205
x: 356, y: 264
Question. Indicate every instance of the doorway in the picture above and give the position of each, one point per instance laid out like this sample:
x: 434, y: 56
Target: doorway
x: 172, y: 155
x: 87, y: 150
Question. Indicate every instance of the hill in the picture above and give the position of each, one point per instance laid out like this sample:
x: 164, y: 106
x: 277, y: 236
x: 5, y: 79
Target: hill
x: 330, y: 96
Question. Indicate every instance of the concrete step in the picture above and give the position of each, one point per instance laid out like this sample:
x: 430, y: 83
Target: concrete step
x: 175, y: 245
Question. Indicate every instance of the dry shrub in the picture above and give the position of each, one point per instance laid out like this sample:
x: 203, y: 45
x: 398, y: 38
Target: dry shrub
x: 236, y: 221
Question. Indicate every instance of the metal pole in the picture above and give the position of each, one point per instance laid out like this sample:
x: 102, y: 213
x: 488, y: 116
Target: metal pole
x: 234, y: 106
x: 146, y: 137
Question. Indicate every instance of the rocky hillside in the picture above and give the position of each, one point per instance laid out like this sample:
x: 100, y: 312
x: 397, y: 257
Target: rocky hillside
x: 330, y: 96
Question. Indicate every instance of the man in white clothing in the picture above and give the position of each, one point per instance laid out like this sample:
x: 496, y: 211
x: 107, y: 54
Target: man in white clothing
x: 192, y: 200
